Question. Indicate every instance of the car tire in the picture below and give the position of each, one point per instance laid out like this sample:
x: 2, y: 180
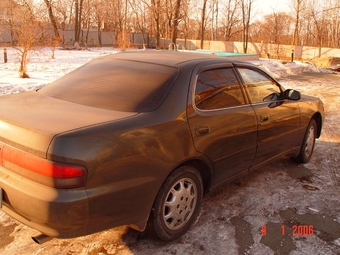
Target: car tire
x: 177, y: 204
x: 308, y: 143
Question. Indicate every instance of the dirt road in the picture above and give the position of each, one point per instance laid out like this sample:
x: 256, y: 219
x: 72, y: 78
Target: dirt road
x: 283, y: 208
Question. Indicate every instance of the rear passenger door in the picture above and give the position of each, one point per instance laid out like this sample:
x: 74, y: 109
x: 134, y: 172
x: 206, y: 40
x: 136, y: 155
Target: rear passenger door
x: 278, y: 119
x: 222, y: 123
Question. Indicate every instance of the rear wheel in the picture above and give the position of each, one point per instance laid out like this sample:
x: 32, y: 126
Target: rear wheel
x: 177, y: 204
x: 308, y: 143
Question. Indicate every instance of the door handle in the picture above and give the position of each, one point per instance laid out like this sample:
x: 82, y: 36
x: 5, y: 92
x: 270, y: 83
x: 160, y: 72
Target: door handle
x: 264, y: 117
x: 204, y: 130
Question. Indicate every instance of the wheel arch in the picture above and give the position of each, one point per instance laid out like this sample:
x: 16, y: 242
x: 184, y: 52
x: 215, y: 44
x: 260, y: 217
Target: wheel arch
x: 318, y: 119
x: 204, y: 170
x: 202, y: 167
x: 155, y: 226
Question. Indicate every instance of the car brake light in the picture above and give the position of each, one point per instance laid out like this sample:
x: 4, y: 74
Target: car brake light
x: 44, y: 171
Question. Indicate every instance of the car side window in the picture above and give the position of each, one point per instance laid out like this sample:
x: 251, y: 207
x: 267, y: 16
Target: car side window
x: 258, y: 85
x: 218, y: 89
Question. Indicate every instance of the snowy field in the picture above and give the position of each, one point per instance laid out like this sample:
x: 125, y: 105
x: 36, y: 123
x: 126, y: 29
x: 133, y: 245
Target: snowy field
x: 278, y: 197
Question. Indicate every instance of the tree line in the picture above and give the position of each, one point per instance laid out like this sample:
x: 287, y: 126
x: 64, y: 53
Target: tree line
x: 305, y: 22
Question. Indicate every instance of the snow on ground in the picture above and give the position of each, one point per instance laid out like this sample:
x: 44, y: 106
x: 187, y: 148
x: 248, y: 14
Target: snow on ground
x: 41, y: 68
x: 280, y: 69
x: 232, y: 219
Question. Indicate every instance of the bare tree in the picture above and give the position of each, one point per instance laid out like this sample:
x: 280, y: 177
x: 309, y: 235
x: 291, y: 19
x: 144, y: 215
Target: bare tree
x: 89, y: 16
x: 176, y: 21
x: 214, y: 19
x: 167, y: 18
x: 99, y: 12
x: 62, y: 12
x: 113, y: 19
x: 276, y: 29
x: 314, y: 22
x: 125, y: 29
x: 185, y: 25
x: 231, y: 20
x: 297, y: 7
x: 28, y: 34
x: 138, y: 9
x: 10, y: 10
x: 203, y: 22
x: 78, y: 19
x: 52, y: 20
x: 319, y: 23
x: 246, y: 9
x: 155, y: 8
x: 332, y: 12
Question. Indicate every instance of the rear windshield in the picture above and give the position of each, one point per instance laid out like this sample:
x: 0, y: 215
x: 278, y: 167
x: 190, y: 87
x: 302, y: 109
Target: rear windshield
x: 115, y: 85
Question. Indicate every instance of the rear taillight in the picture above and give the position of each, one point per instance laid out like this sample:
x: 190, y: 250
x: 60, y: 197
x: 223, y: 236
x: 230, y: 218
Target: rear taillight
x: 44, y: 171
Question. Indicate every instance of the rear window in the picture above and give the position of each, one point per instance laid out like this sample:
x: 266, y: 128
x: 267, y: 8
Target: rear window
x: 115, y: 85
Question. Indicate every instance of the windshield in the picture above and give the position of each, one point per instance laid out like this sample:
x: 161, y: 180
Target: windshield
x: 115, y: 84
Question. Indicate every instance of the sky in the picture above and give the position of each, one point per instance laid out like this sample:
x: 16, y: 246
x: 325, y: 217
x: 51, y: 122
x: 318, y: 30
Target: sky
x: 269, y: 6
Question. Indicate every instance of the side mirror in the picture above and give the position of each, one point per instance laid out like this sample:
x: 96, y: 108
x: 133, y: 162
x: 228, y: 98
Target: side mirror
x: 272, y: 97
x: 292, y: 94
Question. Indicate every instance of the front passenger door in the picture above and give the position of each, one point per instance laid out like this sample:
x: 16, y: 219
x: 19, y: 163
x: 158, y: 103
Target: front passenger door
x: 278, y: 118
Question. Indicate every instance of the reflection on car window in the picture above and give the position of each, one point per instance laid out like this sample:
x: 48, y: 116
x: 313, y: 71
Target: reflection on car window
x: 217, y: 89
x: 258, y: 85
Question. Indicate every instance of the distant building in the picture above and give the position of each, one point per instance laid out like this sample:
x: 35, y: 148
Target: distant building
x: 11, y: 17
x: 9, y: 10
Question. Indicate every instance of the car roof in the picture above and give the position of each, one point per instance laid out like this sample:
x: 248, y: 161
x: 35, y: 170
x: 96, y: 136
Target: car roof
x: 169, y: 58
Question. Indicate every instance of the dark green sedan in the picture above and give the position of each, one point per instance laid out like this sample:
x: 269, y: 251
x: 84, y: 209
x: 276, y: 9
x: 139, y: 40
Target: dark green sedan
x: 138, y: 138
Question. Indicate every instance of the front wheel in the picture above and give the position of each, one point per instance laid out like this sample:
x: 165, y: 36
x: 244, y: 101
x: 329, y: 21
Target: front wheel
x: 177, y: 204
x: 308, y: 143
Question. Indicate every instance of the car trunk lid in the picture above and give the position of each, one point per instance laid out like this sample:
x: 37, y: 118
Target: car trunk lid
x: 29, y: 121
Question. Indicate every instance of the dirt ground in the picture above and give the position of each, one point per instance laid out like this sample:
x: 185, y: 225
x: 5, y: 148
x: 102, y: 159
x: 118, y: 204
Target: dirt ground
x: 283, y: 208
x: 327, y: 62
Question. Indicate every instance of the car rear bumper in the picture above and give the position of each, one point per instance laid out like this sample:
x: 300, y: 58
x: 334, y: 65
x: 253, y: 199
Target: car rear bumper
x: 59, y: 213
